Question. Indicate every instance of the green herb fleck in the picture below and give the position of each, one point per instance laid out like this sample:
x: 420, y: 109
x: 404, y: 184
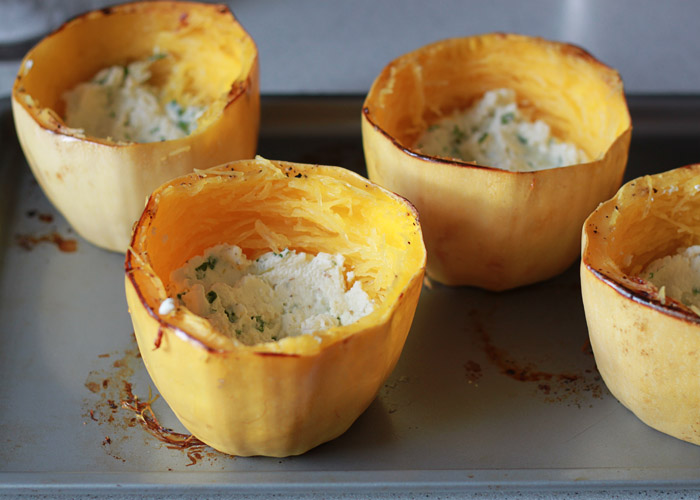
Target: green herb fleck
x: 112, y: 114
x: 260, y: 324
x: 696, y: 290
x: 231, y: 315
x: 507, y: 118
x: 522, y: 139
x: 483, y: 137
x: 458, y: 134
x: 211, y: 296
x: 651, y: 276
x: 201, y: 269
x: 274, y: 337
x: 239, y: 332
x: 184, y: 126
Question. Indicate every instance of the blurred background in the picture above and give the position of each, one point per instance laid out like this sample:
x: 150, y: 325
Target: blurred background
x: 337, y: 47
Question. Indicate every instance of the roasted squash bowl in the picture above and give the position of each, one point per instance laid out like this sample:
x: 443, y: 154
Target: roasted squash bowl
x: 285, y: 397
x: 101, y: 185
x: 484, y: 226
x: 646, y: 345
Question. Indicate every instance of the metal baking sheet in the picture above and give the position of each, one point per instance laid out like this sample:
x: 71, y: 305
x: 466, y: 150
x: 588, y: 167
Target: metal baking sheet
x: 494, y: 391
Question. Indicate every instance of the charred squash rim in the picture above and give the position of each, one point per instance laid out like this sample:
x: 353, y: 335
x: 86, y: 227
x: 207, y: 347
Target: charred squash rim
x: 671, y: 308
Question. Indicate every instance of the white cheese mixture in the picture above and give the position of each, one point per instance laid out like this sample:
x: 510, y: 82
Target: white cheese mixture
x: 678, y: 276
x: 117, y: 103
x: 276, y: 296
x: 494, y: 133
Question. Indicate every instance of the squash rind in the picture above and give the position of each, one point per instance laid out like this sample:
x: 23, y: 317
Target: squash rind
x: 483, y: 226
x: 646, y: 347
x: 278, y: 398
x: 100, y: 186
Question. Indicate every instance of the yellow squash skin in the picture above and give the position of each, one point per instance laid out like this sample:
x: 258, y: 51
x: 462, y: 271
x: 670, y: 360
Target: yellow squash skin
x: 483, y: 226
x: 277, y: 398
x: 100, y: 186
x: 646, y: 346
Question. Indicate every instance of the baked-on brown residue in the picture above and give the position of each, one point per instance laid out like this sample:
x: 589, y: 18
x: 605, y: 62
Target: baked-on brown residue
x: 473, y: 371
x: 148, y: 420
x: 556, y: 386
x: 159, y: 338
x: 28, y: 242
x: 43, y: 217
x: 508, y: 366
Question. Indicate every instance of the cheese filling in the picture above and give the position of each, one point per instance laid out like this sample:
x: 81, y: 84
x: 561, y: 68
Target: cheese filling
x: 119, y: 104
x: 278, y: 295
x: 494, y: 133
x: 677, y: 276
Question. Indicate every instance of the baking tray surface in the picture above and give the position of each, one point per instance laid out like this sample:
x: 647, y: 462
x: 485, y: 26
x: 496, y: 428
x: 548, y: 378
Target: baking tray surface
x: 492, y: 389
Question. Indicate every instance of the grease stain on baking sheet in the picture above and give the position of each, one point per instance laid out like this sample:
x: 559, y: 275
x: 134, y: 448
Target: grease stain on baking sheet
x: 394, y: 395
x: 570, y: 387
x: 193, y: 447
x: 112, y: 403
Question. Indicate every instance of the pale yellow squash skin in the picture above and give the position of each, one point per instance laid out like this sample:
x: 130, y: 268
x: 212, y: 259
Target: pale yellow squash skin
x: 101, y: 186
x: 646, y: 346
x: 278, y: 398
x: 483, y: 226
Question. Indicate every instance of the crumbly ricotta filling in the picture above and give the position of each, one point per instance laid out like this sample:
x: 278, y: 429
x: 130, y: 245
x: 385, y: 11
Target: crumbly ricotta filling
x: 677, y: 276
x: 494, y: 133
x: 275, y: 296
x: 119, y: 104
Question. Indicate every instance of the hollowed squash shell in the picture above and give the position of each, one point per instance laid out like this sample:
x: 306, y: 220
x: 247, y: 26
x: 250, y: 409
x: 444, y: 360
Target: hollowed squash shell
x: 646, y: 345
x: 99, y: 185
x: 484, y: 226
x: 277, y: 398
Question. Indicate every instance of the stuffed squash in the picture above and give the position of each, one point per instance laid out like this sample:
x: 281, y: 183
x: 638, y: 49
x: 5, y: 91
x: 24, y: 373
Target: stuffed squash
x: 247, y: 390
x: 486, y: 225
x: 639, y: 255
x: 86, y: 102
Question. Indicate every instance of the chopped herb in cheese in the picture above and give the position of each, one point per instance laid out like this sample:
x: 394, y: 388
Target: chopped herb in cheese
x: 494, y: 133
x: 677, y: 276
x: 119, y: 104
x: 275, y: 296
